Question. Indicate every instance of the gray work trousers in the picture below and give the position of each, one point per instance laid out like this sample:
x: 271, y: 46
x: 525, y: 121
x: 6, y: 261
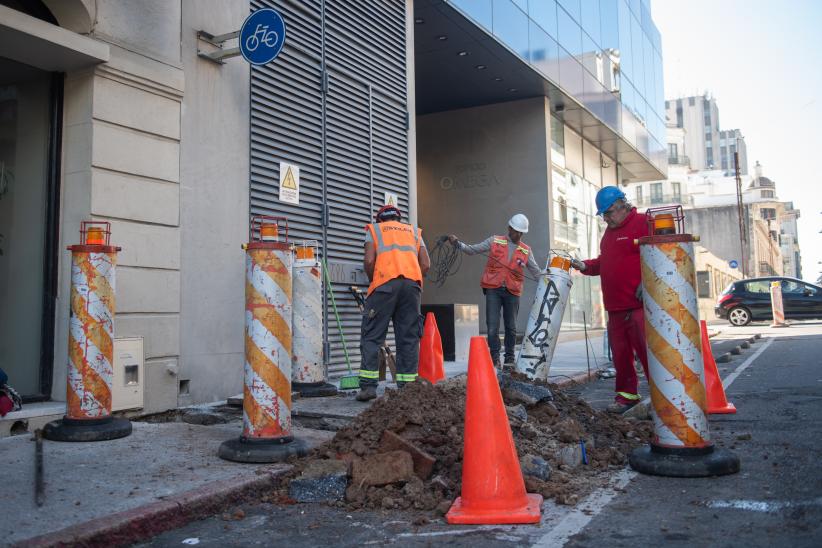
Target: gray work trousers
x: 397, y: 300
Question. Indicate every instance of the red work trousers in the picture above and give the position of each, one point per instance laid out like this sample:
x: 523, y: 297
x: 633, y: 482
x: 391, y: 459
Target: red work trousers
x: 626, y: 333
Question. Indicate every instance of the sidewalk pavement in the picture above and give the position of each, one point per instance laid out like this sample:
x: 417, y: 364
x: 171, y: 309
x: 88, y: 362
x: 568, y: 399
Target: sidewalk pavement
x: 166, y: 474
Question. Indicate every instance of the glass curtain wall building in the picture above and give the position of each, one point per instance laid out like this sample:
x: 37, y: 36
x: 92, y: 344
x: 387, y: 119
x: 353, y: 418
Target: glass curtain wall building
x: 604, y: 53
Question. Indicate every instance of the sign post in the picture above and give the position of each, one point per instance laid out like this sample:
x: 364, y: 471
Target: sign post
x: 261, y: 39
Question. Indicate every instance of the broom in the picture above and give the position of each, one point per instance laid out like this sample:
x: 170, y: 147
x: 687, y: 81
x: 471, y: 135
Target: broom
x: 350, y: 381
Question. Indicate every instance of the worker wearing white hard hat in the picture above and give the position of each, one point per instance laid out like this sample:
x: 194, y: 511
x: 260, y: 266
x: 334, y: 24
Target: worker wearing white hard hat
x: 502, y: 280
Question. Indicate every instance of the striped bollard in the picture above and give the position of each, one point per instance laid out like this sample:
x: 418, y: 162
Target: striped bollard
x: 777, y: 307
x: 681, y: 445
x: 308, y: 375
x: 540, y: 341
x: 91, y: 342
x: 266, y: 433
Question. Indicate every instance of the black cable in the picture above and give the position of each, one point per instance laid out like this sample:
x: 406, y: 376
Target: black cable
x: 445, y: 261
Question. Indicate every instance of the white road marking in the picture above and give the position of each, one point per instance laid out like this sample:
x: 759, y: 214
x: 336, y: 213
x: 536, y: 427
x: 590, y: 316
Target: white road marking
x: 767, y: 506
x: 744, y: 365
x: 585, y: 511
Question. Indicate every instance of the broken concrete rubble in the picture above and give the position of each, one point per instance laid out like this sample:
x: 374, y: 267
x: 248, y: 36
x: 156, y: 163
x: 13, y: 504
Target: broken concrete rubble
x: 320, y: 481
x: 430, y: 419
x: 382, y: 469
x: 423, y: 462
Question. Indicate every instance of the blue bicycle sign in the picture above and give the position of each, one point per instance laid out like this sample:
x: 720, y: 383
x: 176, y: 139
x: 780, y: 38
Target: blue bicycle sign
x: 262, y: 36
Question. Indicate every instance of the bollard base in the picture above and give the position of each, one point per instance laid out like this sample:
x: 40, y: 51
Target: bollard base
x: 314, y: 389
x: 262, y: 450
x: 683, y: 462
x: 66, y: 429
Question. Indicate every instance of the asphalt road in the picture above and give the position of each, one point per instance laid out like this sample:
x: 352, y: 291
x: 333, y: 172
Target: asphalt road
x: 775, y: 500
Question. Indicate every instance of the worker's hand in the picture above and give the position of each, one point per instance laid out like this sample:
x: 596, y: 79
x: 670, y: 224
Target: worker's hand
x: 579, y: 265
x: 638, y: 292
x: 453, y: 239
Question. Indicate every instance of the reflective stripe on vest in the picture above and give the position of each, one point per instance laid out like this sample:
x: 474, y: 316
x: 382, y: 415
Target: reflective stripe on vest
x: 397, y: 246
x: 500, y: 271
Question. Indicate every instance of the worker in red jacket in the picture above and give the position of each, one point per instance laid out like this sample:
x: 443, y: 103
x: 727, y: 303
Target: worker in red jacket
x: 619, y: 268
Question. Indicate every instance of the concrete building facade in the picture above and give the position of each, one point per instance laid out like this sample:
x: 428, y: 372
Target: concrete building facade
x: 465, y: 112
x: 708, y: 146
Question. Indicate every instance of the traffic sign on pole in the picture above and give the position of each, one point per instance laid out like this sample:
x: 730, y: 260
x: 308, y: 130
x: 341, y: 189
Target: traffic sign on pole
x: 733, y: 263
x: 262, y: 36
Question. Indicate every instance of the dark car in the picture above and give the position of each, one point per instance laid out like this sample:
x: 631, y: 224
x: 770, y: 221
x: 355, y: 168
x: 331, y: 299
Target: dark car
x: 748, y: 300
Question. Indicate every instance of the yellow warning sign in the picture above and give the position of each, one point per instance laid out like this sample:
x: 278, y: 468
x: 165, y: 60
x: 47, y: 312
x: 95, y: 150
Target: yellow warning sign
x: 288, y: 180
x: 289, y: 183
x: 391, y: 199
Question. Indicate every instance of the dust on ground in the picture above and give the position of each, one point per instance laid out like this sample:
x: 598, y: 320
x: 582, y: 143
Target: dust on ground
x: 432, y: 418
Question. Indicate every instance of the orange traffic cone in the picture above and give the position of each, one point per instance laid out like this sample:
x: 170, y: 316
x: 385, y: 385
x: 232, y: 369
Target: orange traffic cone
x: 716, y: 401
x: 493, y: 491
x: 430, y: 367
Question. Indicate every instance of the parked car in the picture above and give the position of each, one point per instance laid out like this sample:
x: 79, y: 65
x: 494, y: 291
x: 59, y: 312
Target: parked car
x: 748, y: 300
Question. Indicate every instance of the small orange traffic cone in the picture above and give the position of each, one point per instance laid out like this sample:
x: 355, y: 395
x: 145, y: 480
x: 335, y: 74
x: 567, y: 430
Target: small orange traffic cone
x: 430, y: 366
x: 493, y: 491
x: 716, y: 401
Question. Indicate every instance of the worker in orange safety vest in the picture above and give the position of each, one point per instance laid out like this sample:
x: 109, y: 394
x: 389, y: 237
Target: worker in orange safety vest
x: 502, y: 280
x: 395, y: 261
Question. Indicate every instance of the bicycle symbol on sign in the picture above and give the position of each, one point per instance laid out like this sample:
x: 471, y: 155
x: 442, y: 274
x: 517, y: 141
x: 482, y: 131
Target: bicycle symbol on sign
x: 262, y: 35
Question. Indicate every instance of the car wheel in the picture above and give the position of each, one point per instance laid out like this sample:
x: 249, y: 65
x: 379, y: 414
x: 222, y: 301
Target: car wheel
x: 739, y: 316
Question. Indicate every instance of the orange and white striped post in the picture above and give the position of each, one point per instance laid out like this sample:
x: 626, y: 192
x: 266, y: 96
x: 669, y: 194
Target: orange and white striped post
x: 777, y: 307
x: 266, y: 435
x: 91, y: 341
x: 682, y: 444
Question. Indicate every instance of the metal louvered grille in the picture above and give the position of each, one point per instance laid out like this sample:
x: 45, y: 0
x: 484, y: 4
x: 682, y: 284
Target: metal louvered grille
x: 346, y: 131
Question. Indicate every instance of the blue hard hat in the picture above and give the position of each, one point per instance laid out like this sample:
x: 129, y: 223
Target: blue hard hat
x: 606, y: 197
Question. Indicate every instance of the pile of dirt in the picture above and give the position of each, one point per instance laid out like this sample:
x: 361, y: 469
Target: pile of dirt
x: 578, y: 443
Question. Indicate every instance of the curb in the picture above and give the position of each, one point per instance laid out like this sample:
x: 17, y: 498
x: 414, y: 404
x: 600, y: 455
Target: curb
x: 130, y: 526
x: 579, y: 378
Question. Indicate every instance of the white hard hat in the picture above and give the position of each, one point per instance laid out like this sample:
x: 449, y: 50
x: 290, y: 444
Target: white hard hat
x: 519, y: 222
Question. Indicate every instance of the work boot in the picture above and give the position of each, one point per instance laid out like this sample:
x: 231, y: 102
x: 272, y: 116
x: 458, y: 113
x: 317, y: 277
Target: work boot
x: 496, y: 362
x: 367, y: 393
x: 618, y: 408
x: 509, y: 363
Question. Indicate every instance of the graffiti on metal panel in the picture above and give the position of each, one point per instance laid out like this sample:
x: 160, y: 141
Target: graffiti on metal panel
x: 539, y: 335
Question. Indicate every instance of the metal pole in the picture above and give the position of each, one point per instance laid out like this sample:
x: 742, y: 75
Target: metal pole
x: 740, y: 210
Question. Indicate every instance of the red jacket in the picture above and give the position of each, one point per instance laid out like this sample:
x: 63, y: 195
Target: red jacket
x: 618, y: 263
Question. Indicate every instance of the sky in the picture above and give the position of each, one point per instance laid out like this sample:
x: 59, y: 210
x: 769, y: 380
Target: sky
x: 762, y: 61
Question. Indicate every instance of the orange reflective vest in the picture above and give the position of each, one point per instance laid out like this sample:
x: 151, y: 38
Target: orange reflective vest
x: 499, y: 270
x: 398, y: 247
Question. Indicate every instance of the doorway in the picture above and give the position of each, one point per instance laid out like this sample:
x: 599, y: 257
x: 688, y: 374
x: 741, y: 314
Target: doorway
x: 30, y: 123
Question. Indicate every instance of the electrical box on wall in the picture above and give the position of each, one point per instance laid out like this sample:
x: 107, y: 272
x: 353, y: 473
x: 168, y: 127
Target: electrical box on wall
x: 129, y: 379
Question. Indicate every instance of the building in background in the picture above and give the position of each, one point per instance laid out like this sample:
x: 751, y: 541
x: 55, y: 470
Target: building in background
x: 708, y: 146
x: 464, y: 112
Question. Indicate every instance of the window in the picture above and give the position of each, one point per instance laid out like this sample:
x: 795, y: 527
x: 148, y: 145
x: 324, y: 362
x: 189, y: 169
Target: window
x: 676, y: 188
x: 768, y: 212
x: 691, y: 101
x: 563, y: 210
x: 672, y: 150
x: 759, y: 286
x: 639, y: 195
x: 656, y: 193
x: 703, y: 284
x: 708, y: 135
x: 724, y: 162
x: 768, y: 194
x: 679, y: 120
x: 709, y: 157
x: 789, y: 286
